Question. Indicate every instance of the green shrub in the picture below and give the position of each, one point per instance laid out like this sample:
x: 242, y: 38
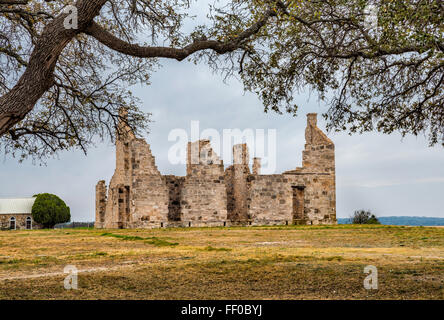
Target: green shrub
x: 364, y: 217
x: 48, y: 210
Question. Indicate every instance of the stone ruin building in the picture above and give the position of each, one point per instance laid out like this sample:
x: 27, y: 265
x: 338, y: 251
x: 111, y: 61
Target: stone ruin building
x: 139, y: 196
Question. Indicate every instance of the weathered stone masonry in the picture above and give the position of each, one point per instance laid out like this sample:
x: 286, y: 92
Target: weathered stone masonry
x: 140, y: 197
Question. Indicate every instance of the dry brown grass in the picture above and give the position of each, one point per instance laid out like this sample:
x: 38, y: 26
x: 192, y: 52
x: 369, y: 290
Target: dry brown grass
x: 297, y: 262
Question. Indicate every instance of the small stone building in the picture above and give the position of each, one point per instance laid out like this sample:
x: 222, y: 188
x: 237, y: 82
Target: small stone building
x: 16, y: 214
x: 140, y: 197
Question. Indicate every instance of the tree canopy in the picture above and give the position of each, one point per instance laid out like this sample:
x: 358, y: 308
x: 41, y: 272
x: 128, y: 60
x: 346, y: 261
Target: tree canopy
x: 364, y: 217
x: 48, y: 210
x: 61, y: 87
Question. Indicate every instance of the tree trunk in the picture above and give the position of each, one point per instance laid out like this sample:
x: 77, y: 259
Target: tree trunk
x: 39, y: 74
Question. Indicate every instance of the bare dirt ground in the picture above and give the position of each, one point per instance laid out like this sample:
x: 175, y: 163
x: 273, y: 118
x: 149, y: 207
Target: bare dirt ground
x: 294, y: 262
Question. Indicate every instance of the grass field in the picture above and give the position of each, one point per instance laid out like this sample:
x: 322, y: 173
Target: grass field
x: 297, y: 262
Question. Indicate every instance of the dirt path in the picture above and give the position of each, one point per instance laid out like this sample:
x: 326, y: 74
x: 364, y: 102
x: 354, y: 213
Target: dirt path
x: 61, y: 273
x: 121, y: 265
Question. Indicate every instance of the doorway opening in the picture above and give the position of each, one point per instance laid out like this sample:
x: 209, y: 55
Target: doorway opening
x: 298, y: 204
x: 12, y: 223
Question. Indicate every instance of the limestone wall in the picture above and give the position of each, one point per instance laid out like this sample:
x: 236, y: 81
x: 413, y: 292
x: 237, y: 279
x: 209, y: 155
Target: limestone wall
x: 137, y: 196
x: 20, y: 221
x: 319, y: 153
x: 318, y: 163
x: 100, y: 204
x: 269, y: 199
x: 175, y: 186
x: 240, y: 186
x: 117, y: 207
x: 229, y: 185
x: 318, y: 191
x: 149, y: 194
x: 204, y: 195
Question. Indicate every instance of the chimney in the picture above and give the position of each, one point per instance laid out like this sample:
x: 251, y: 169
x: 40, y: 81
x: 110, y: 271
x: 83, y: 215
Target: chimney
x: 124, y: 131
x: 312, y: 119
x: 256, y: 165
x: 240, y: 154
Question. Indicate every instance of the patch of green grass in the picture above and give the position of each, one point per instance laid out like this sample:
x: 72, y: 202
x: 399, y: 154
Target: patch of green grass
x: 210, y: 248
x: 11, y: 261
x: 122, y: 236
x: 337, y: 258
x: 150, y: 240
x: 160, y: 242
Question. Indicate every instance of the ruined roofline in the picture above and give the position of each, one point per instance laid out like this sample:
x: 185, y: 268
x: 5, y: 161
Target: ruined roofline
x: 199, y: 146
x: 316, y: 136
x: 307, y: 173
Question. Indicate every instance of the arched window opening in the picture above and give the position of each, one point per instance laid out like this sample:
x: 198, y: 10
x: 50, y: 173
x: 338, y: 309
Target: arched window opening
x: 12, y: 225
x: 28, y: 223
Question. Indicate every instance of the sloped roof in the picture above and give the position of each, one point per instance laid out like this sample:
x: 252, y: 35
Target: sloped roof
x: 17, y: 205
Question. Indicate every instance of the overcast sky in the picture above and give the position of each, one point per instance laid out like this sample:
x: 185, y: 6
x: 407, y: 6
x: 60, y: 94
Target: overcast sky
x: 386, y: 174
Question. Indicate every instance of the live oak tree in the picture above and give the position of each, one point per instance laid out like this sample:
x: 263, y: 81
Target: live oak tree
x: 61, y: 87
x: 49, y: 210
